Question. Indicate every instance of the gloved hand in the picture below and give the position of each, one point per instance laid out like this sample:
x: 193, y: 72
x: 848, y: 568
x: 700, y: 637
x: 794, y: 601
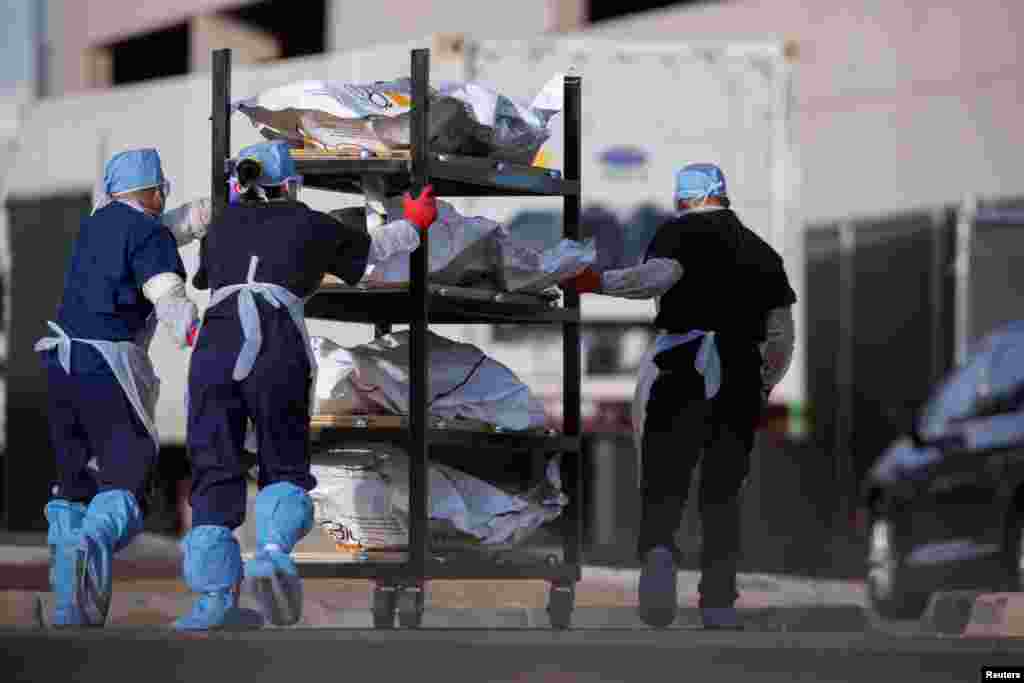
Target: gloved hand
x: 421, y: 211
x: 774, y: 363
x: 587, y: 281
x: 190, y: 336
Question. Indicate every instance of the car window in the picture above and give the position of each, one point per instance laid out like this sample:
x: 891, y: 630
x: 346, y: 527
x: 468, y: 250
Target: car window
x: 1007, y: 375
x: 956, y: 397
x: 995, y: 370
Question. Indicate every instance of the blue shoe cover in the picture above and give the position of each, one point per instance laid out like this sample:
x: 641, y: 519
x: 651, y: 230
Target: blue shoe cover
x: 284, y: 515
x: 213, y: 568
x: 658, y: 600
x: 721, y: 618
x: 111, y: 522
x: 65, y: 520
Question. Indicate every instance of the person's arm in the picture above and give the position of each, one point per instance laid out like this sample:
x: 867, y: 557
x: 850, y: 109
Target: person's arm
x: 645, y: 281
x: 189, y: 221
x: 359, y: 246
x: 160, y: 273
x: 201, y: 278
x: 780, y: 333
x: 778, y: 346
x: 660, y: 271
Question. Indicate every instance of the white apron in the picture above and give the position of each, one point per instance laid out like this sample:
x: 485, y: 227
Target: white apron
x: 130, y: 363
x: 249, y: 315
x: 707, y: 363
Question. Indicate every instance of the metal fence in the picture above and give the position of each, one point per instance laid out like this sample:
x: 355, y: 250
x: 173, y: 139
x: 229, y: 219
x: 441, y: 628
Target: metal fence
x: 893, y: 304
x: 991, y: 280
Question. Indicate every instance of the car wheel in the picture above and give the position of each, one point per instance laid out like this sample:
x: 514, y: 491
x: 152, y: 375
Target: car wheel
x: 887, y: 592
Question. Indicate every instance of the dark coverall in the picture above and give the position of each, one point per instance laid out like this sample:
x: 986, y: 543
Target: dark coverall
x: 118, y: 249
x: 295, y: 246
x: 731, y: 280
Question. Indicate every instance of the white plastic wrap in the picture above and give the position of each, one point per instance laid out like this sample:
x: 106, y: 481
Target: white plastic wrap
x: 460, y: 250
x: 465, y: 383
x: 465, y: 117
x: 474, y: 250
x: 371, y: 508
x: 189, y: 221
x: 521, y: 268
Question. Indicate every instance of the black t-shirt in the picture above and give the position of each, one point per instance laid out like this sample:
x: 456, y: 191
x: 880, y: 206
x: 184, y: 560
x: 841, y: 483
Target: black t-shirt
x: 296, y: 246
x: 731, y: 277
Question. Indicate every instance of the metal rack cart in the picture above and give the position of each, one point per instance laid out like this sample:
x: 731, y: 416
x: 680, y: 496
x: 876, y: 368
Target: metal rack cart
x: 399, y: 585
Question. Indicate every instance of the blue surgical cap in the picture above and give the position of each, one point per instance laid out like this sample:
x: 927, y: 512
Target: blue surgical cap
x: 136, y: 169
x: 276, y: 160
x: 696, y: 181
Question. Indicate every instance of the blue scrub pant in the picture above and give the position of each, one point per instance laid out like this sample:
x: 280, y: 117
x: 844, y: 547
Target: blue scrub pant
x: 275, y: 396
x: 90, y: 416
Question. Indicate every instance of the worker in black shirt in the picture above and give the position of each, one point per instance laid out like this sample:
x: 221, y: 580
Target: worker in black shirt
x: 725, y: 339
x: 253, y: 361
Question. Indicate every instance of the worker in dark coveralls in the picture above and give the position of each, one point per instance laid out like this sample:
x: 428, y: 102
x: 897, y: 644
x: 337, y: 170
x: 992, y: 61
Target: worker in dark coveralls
x: 725, y: 340
x: 252, y: 360
x: 125, y: 276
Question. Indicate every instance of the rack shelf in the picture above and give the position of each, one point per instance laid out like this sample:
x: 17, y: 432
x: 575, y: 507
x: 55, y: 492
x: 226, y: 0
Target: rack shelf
x: 451, y: 176
x: 421, y: 303
x: 446, y: 305
x: 502, y: 441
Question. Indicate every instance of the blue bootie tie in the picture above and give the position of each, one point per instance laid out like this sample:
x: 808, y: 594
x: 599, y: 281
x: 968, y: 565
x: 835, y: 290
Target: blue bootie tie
x: 213, y: 568
x: 64, y: 537
x: 284, y: 515
x: 112, y: 520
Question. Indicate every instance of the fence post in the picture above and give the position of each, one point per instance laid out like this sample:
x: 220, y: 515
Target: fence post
x: 964, y: 238
x: 843, y: 451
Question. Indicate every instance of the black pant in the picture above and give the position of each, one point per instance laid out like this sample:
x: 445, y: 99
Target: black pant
x: 680, y: 426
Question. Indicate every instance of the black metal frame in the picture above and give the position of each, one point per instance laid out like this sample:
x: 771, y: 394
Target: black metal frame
x: 422, y: 304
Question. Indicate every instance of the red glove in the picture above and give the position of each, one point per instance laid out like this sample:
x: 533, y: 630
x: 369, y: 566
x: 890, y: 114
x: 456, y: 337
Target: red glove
x: 193, y: 332
x: 587, y: 281
x: 421, y: 211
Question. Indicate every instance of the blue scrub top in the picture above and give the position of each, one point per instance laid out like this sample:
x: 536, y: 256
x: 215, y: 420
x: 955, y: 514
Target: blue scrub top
x: 117, y: 250
x: 296, y: 246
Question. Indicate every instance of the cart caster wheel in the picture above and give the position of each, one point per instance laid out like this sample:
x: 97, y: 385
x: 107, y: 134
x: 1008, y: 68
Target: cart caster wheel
x: 410, y: 607
x: 560, y: 605
x: 384, y: 602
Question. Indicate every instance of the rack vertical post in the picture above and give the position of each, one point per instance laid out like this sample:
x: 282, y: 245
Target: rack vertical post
x: 419, y: 538
x: 572, y: 370
x: 221, y: 122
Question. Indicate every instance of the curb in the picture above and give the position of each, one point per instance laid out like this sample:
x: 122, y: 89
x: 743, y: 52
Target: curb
x: 974, y: 614
x: 996, y: 615
x: 133, y: 609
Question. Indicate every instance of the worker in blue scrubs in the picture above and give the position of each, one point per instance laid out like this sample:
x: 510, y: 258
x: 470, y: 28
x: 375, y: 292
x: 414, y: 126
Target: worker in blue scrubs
x: 263, y: 258
x: 125, y: 275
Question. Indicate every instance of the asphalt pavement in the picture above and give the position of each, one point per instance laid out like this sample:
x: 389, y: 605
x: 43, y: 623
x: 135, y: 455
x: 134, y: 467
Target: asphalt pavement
x: 499, y: 656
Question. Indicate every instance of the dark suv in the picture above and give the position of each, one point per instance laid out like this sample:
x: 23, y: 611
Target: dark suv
x: 945, y: 504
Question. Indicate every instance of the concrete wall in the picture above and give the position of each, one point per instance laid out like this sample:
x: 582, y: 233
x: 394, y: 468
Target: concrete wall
x: 895, y: 105
x: 357, y: 24
x: 78, y: 25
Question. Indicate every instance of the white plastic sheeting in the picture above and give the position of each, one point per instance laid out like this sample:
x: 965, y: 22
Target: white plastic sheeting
x: 373, y: 378
x: 370, y: 507
x: 474, y: 250
x: 464, y: 118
